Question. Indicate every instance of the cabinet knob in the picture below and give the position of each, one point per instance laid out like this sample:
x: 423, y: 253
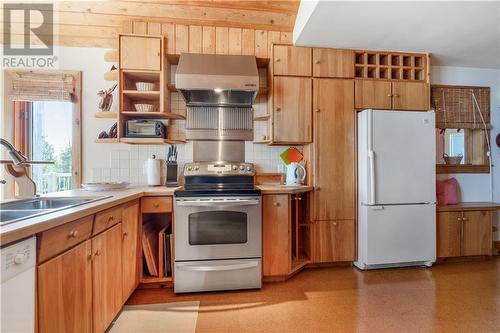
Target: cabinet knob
x: 73, y: 234
x: 276, y: 204
x: 334, y: 224
x: 278, y: 109
x: 465, y: 219
x: 317, y: 110
x: 316, y: 62
x: 396, y: 95
x: 298, y: 198
x: 97, y: 253
x: 389, y: 95
x: 125, y: 234
x: 90, y: 256
x: 111, y: 218
x: 158, y: 54
x: 277, y: 59
x: 459, y: 219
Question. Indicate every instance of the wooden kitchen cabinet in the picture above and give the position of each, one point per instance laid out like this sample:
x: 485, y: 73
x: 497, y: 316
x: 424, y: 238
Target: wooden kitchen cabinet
x: 292, y: 113
x: 449, y: 234
x: 333, y: 241
x: 285, y: 242
x: 373, y: 94
x: 333, y: 63
x: 140, y: 52
x: 464, y: 233
x: 387, y: 95
x: 106, y: 271
x: 130, y: 249
x: 334, y: 150
x: 292, y: 60
x: 64, y: 290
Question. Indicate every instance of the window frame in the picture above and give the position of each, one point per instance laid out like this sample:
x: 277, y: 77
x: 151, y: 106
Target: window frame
x: 22, y: 128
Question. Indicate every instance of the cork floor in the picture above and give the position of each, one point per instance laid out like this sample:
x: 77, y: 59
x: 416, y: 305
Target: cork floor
x: 452, y: 297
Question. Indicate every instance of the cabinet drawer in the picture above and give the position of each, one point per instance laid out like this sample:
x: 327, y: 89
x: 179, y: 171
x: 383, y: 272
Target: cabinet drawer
x: 156, y: 205
x: 107, y: 218
x: 58, y: 239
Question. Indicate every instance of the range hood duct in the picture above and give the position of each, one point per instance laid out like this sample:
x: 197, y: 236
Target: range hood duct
x: 217, y: 80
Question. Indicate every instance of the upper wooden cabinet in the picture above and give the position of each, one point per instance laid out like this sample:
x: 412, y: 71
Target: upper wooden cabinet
x: 291, y: 60
x: 291, y: 114
x: 334, y: 150
x: 464, y: 233
x: 140, y: 53
x: 64, y: 290
x: 373, y: 94
x: 397, y: 95
x: 333, y: 63
x: 130, y: 249
x: 410, y: 96
x: 107, y: 270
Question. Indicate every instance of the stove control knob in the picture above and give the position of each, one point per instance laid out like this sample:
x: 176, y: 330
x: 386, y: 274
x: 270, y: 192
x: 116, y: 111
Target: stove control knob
x: 189, y: 168
x: 235, y: 167
x: 249, y: 168
x: 196, y: 168
x: 242, y: 167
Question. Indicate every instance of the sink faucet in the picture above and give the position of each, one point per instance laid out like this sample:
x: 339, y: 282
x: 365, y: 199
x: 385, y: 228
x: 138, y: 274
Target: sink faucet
x: 17, y: 157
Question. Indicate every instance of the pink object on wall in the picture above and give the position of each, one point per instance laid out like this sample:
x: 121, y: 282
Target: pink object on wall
x: 447, y: 192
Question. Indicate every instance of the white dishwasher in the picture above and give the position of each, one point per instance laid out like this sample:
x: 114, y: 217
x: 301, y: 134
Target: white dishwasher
x: 17, y: 289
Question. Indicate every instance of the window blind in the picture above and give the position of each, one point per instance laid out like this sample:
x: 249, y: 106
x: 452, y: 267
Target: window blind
x: 455, y: 106
x: 37, y: 86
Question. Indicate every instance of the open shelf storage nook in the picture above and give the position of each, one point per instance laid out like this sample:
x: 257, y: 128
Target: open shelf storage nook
x: 390, y: 65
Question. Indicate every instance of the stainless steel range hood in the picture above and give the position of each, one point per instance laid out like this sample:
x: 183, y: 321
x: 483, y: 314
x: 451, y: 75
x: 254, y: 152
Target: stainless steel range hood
x: 217, y: 80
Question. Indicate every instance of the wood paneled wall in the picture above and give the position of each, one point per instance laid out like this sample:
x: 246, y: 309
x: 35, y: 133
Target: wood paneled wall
x: 211, y: 40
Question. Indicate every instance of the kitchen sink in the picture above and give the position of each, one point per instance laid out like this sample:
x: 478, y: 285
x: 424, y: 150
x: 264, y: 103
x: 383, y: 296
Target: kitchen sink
x: 17, y: 210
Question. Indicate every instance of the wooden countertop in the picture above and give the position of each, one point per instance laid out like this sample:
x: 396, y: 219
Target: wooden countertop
x: 469, y: 206
x: 25, y: 228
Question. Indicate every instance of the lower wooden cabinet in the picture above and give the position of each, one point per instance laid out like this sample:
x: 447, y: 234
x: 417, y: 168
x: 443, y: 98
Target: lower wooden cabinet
x: 285, y: 243
x: 130, y: 249
x: 64, y: 289
x: 333, y: 241
x: 107, y: 270
x: 464, y: 233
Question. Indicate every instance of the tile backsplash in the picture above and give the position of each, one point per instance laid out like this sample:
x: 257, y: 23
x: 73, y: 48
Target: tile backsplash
x: 127, y: 162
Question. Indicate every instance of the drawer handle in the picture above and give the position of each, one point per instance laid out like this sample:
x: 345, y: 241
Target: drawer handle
x: 111, y: 218
x: 73, y: 234
x: 276, y: 204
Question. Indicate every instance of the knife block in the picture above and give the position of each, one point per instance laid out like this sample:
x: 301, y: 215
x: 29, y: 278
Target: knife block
x: 172, y: 174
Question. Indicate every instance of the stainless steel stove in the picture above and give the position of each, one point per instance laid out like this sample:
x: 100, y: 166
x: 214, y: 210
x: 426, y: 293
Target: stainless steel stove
x: 217, y: 228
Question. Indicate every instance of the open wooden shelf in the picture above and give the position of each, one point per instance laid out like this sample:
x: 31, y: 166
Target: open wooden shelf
x: 106, y: 115
x: 462, y: 168
x: 142, y: 95
x: 167, y: 115
x: 107, y: 140
x: 262, y: 117
x: 111, y: 75
x: 144, y: 141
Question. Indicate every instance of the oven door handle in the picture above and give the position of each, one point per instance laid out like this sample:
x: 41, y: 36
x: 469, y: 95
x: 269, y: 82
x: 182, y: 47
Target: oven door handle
x: 218, y: 268
x: 217, y: 203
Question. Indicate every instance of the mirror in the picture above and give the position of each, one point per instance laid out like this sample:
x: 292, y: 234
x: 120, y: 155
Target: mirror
x: 468, y: 143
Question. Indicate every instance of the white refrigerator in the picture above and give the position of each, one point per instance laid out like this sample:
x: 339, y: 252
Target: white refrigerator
x: 396, y: 189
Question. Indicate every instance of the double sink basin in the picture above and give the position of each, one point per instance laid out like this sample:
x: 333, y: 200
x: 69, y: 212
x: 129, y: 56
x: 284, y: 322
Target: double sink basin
x: 17, y: 210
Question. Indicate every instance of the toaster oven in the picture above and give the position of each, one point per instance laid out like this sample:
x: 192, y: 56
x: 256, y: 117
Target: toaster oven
x: 144, y: 128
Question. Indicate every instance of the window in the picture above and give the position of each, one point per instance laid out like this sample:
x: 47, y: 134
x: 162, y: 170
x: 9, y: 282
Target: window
x: 47, y: 128
x: 456, y: 144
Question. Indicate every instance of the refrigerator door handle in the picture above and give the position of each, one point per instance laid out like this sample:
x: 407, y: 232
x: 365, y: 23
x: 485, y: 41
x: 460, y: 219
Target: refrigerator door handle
x: 371, y: 162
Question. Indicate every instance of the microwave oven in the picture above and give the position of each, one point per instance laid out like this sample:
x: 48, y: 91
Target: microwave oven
x: 144, y: 128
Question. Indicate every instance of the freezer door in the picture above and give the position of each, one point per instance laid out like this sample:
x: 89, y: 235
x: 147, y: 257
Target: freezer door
x: 399, y: 234
x: 401, y: 157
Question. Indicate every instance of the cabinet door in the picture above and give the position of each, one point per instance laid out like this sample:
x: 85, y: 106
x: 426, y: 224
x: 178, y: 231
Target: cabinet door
x: 334, y: 150
x: 64, y: 289
x: 142, y: 53
x: 107, y: 270
x: 333, y: 63
x: 276, y: 256
x: 477, y: 233
x: 410, y: 96
x: 448, y: 234
x: 373, y: 94
x: 333, y: 241
x: 292, y: 115
x: 130, y: 248
x: 291, y: 60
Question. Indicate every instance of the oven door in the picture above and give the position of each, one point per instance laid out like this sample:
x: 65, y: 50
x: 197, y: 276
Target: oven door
x: 217, y: 228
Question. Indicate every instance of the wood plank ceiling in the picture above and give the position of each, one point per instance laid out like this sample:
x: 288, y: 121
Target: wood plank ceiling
x: 97, y: 23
